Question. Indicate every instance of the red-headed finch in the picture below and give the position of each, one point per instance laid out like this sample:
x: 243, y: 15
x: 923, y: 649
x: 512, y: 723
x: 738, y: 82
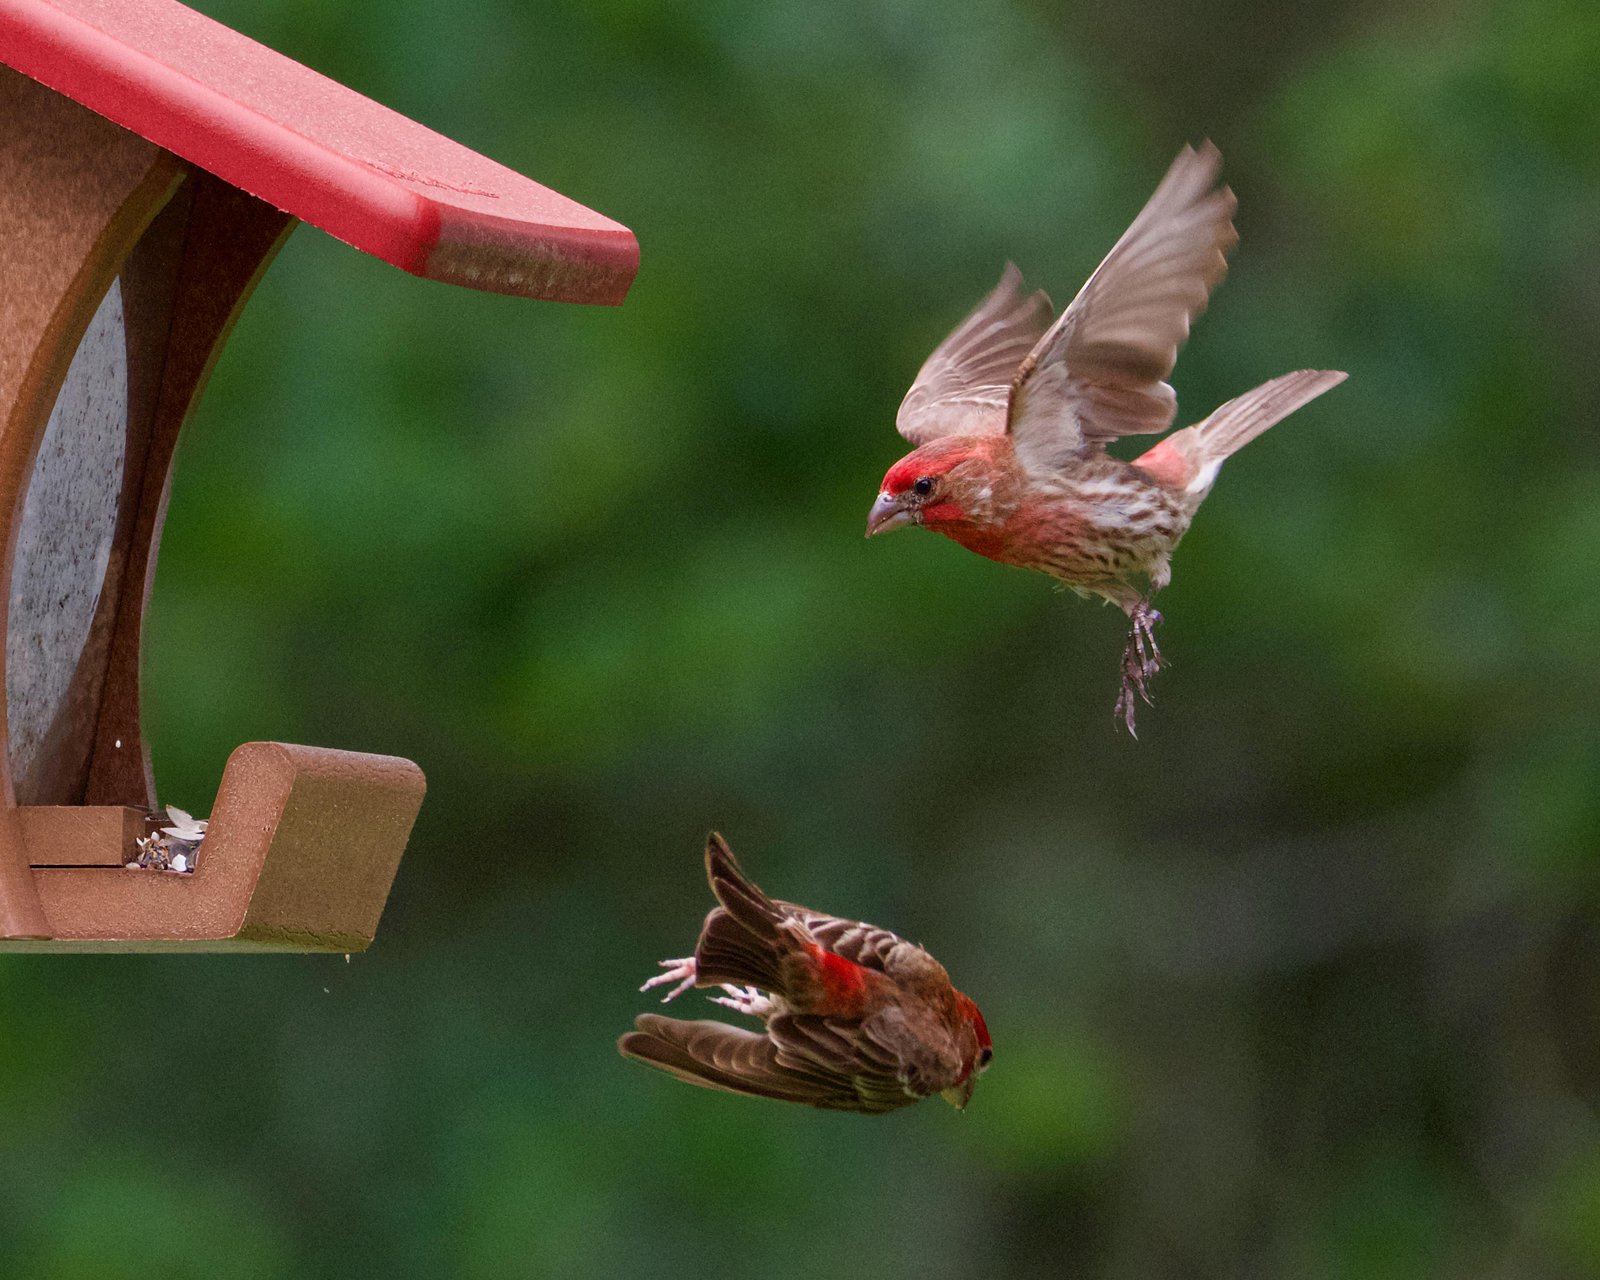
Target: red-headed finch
x: 1011, y: 414
x: 853, y: 1017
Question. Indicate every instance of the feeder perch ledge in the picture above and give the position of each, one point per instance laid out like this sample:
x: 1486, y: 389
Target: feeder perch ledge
x: 152, y: 162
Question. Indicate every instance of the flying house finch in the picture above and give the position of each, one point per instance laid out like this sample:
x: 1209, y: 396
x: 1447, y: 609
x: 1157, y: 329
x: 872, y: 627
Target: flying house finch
x: 1012, y: 412
x: 854, y: 1018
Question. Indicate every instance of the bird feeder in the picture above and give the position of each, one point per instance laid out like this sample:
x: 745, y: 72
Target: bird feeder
x: 152, y: 162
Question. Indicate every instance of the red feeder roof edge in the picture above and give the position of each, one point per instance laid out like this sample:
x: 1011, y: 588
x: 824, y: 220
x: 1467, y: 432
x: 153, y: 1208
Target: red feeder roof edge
x: 318, y: 150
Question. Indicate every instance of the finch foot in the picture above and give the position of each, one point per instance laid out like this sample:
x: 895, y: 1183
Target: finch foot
x: 1141, y: 659
x: 744, y: 1000
x: 683, y: 972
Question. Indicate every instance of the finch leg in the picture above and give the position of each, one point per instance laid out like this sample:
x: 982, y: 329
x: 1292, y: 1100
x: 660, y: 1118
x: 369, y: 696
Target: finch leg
x: 744, y: 1000
x: 1141, y: 659
x: 1142, y: 633
x: 683, y: 972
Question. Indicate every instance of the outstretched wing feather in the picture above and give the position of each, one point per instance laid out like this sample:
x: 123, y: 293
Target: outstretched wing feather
x: 964, y: 386
x: 715, y: 1055
x: 1100, y: 370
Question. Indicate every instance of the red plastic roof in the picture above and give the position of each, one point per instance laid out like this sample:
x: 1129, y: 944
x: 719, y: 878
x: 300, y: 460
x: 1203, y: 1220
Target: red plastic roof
x: 316, y: 149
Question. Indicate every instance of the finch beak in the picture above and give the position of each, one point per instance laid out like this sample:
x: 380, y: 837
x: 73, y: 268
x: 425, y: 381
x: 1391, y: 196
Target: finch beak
x: 958, y: 1095
x: 886, y: 513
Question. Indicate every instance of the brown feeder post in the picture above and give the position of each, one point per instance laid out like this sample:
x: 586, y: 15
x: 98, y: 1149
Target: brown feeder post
x: 151, y: 164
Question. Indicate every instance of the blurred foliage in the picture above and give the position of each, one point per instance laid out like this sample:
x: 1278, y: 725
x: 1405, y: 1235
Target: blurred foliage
x: 1304, y: 983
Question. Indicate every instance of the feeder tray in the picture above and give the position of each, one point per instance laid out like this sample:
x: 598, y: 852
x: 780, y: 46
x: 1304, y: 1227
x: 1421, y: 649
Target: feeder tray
x: 152, y: 162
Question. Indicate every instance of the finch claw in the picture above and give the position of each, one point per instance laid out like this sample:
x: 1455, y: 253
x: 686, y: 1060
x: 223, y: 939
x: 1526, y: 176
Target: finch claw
x: 683, y: 972
x: 744, y: 1000
x: 1141, y: 659
x: 1124, y: 709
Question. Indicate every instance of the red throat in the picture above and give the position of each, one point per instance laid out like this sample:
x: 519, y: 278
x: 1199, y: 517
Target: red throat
x: 958, y: 504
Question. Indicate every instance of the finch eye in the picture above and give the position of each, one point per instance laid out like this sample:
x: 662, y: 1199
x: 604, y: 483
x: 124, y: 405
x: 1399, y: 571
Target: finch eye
x: 985, y: 1057
x: 923, y: 486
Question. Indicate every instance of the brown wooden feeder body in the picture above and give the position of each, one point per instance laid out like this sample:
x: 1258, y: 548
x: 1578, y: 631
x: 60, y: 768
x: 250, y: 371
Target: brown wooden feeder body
x: 122, y: 270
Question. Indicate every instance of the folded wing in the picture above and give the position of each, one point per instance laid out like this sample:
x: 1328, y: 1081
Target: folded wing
x: 868, y: 945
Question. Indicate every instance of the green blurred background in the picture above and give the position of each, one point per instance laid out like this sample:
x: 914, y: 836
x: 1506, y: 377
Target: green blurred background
x: 1301, y: 984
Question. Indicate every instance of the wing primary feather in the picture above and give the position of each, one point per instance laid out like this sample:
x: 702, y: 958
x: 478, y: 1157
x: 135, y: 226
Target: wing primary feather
x: 962, y: 388
x: 1100, y: 370
x: 714, y: 1055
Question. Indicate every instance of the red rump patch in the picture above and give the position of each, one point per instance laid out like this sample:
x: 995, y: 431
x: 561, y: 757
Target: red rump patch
x: 844, y: 981
x: 1167, y: 464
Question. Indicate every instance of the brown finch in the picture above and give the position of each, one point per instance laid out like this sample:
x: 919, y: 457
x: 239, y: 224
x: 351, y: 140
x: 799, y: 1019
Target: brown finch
x: 854, y: 1018
x: 1012, y: 412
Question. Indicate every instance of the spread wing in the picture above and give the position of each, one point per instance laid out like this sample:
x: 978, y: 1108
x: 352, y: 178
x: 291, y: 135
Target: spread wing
x: 1100, y: 370
x: 805, y: 1060
x: 887, y: 1062
x: 963, y: 387
x: 845, y: 1048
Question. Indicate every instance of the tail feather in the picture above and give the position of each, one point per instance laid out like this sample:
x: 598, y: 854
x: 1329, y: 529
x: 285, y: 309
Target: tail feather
x: 742, y: 898
x: 727, y: 952
x: 1188, y: 460
x: 745, y: 939
x: 1242, y: 419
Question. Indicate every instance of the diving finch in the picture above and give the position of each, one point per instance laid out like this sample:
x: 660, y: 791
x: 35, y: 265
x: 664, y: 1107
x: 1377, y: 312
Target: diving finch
x: 1011, y: 414
x: 853, y: 1017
